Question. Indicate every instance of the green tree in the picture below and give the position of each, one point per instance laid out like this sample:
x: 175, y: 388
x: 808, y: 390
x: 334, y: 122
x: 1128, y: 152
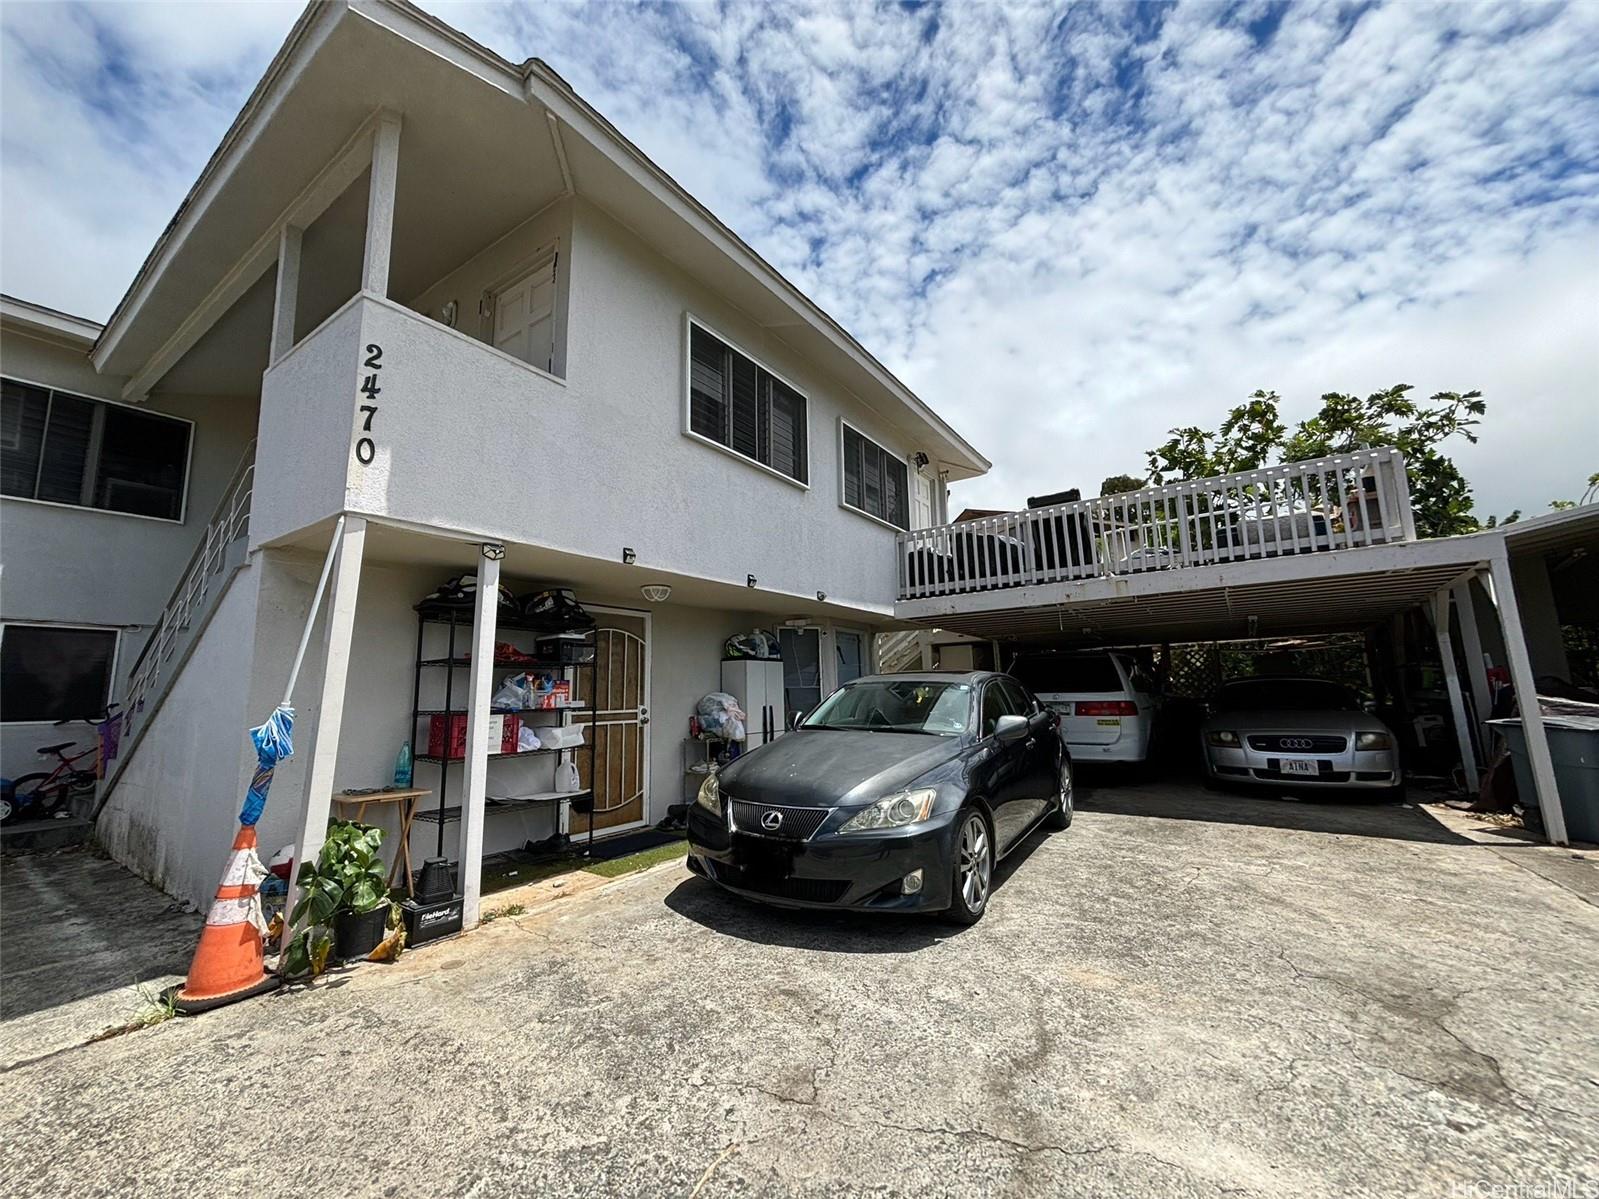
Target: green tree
x: 1119, y: 484
x: 1253, y: 434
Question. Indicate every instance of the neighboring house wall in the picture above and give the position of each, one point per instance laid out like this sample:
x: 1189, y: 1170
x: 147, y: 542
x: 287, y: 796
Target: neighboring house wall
x: 70, y: 565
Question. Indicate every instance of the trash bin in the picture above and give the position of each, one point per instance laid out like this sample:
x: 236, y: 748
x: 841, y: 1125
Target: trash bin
x: 1573, y: 733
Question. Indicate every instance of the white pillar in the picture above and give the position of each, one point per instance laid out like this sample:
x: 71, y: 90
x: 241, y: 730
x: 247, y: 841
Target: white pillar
x: 485, y: 623
x: 288, y: 292
x: 337, y: 634
x: 1476, y: 661
x: 1543, y: 767
x: 380, y: 205
x: 1457, y: 703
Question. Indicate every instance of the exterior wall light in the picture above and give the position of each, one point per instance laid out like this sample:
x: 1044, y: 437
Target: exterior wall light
x: 920, y: 459
x: 749, y: 580
x: 628, y: 556
x: 821, y: 597
x: 656, y: 593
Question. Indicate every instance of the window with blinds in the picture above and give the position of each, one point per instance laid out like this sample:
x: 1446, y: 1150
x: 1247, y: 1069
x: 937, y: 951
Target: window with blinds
x: 876, y: 482
x: 70, y: 450
x: 737, y: 403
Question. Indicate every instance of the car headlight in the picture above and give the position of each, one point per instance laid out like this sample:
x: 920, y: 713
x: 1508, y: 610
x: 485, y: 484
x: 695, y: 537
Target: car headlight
x: 1222, y: 737
x: 1373, y: 741
x: 894, y: 812
x: 710, y: 795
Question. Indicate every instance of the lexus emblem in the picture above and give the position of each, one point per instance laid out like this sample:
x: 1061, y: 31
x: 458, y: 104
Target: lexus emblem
x: 771, y: 821
x: 1296, y: 743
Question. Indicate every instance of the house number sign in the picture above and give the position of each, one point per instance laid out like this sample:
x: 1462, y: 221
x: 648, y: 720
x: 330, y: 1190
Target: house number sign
x: 365, y: 448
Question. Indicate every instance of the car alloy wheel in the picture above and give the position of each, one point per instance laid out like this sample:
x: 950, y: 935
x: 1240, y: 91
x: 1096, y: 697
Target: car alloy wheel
x: 1065, y: 799
x: 976, y: 870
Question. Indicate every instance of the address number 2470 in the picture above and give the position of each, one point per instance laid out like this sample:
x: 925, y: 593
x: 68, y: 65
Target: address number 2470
x: 365, y: 448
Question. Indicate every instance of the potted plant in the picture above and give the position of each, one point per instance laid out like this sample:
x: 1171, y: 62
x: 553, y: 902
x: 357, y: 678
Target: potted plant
x: 346, y: 890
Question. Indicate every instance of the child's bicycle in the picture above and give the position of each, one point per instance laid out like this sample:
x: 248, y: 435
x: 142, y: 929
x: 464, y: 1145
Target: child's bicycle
x: 46, y: 793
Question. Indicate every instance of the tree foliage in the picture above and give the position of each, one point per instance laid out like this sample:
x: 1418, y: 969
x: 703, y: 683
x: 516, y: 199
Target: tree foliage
x: 1254, y: 435
x: 1120, y: 484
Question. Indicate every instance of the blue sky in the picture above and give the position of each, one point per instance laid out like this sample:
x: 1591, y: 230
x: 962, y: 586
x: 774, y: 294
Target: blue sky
x: 1069, y: 229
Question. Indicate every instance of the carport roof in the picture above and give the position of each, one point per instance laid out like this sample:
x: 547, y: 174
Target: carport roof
x: 1343, y: 590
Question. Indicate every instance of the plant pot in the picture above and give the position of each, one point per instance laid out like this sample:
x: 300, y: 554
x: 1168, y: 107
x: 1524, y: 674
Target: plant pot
x: 356, y: 934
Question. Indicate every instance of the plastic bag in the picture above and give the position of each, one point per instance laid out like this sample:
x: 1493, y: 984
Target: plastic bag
x: 720, y: 717
x: 527, y: 740
x: 515, y: 692
x: 757, y: 643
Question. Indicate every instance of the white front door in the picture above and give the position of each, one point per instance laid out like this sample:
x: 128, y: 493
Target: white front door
x: 921, y: 501
x: 524, y: 318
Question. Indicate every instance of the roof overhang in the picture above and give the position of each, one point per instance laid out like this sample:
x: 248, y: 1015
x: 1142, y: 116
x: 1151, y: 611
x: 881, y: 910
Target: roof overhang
x: 48, y: 323
x: 345, y: 61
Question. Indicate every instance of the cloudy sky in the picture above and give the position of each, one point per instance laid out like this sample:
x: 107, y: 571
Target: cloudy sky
x: 1068, y: 228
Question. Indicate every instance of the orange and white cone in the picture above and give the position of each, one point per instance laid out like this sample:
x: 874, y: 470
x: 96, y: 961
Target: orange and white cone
x: 228, y: 964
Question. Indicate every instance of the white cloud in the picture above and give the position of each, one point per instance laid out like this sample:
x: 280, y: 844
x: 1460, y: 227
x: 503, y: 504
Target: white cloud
x: 1068, y: 228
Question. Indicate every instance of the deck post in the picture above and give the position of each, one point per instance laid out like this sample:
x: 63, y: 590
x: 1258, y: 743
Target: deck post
x: 1471, y: 646
x: 485, y: 624
x: 287, y: 292
x: 1457, y: 703
x: 380, y: 205
x: 1543, y: 767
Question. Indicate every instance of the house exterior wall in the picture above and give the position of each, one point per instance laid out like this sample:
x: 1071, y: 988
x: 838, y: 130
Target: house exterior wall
x: 470, y: 440
x: 81, y: 566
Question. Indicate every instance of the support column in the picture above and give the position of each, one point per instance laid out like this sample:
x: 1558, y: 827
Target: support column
x: 1471, y: 646
x: 288, y: 292
x: 336, y: 637
x: 1457, y: 703
x: 380, y: 205
x: 485, y: 624
x: 1543, y: 767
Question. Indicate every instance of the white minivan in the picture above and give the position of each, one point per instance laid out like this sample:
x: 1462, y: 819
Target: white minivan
x: 1105, y: 700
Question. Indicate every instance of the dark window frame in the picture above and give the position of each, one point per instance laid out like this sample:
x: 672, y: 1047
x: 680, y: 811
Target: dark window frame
x: 748, y: 394
x: 891, y: 488
x: 112, y: 666
x: 93, y: 474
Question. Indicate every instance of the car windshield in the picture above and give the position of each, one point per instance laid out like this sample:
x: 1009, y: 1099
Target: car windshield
x: 1289, y: 695
x: 896, y: 706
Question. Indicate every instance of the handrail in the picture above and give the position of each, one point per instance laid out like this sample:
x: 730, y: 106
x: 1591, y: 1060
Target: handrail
x: 229, y: 521
x: 1342, y: 501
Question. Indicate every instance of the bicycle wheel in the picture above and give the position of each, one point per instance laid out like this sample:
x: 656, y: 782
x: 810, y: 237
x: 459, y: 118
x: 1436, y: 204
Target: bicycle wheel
x: 28, y: 795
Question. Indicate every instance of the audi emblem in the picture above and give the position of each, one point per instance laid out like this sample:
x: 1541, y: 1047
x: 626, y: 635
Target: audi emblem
x: 1295, y: 743
x: 771, y: 821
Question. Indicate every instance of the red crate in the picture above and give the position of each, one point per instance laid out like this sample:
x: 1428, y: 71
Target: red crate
x: 510, y: 727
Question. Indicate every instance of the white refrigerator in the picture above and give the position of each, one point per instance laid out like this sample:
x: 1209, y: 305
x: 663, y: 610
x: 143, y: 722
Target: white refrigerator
x: 758, y: 687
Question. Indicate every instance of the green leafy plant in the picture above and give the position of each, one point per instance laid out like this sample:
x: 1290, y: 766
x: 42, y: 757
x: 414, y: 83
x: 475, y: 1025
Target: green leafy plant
x: 347, y: 876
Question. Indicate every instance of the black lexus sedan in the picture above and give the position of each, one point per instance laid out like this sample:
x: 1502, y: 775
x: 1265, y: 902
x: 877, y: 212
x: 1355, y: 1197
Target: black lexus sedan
x: 897, y: 793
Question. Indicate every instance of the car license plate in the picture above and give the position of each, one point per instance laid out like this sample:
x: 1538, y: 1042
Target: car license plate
x: 1308, y: 766
x: 1114, y: 722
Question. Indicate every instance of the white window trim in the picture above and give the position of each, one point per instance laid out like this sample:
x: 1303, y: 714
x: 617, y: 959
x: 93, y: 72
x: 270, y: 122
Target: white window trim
x: 188, y: 463
x: 112, y: 675
x: 842, y: 491
x: 689, y: 321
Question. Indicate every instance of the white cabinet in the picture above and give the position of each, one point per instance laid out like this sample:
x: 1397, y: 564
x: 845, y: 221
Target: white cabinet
x: 758, y: 687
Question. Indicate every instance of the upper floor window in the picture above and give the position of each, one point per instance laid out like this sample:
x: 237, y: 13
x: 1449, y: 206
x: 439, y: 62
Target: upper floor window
x: 876, y: 481
x: 739, y: 404
x: 69, y: 450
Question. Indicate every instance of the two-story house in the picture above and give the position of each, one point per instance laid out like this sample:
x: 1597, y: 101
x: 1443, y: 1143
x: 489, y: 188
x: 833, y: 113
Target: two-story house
x: 433, y: 293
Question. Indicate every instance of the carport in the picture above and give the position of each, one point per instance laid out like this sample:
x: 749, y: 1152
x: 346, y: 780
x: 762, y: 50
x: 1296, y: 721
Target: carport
x: 1506, y: 590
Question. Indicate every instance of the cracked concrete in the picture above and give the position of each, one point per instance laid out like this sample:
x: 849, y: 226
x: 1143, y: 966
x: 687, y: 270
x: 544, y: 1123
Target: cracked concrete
x: 1182, y: 995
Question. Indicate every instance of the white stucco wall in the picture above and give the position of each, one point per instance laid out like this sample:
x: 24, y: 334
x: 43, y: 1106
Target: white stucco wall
x: 81, y: 566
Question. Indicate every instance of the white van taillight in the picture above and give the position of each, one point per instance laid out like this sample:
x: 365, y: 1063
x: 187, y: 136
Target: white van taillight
x: 1112, y: 707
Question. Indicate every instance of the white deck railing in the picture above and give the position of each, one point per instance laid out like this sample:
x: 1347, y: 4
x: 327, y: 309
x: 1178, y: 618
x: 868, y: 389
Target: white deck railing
x: 1342, y: 502
x: 190, y: 600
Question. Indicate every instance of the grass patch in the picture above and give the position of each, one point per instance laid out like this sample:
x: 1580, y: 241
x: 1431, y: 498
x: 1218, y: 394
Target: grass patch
x: 642, y: 860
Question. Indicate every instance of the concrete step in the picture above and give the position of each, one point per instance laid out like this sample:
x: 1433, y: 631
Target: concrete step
x: 33, y: 836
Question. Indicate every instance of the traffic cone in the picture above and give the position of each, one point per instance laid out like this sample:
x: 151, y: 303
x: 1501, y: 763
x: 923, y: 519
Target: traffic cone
x: 228, y: 963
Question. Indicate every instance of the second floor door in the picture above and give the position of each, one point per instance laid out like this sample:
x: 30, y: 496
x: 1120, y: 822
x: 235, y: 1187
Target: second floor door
x: 524, y: 318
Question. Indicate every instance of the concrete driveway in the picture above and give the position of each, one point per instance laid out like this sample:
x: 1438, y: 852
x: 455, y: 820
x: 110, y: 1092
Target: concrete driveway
x: 1182, y: 995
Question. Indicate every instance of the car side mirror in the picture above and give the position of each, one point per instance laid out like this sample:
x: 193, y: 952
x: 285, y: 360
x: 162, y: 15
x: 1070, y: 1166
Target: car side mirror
x: 1012, y: 727
x: 794, y: 719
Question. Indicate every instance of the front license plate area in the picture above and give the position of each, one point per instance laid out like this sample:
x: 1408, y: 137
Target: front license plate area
x: 772, y: 859
x: 1308, y: 767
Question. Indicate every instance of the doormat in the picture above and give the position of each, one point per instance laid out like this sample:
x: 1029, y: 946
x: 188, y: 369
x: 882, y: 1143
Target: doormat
x: 620, y: 847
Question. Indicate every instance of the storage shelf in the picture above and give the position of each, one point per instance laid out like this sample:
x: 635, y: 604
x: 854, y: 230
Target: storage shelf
x: 521, y: 753
x: 464, y: 617
x: 507, y: 804
x: 506, y: 665
x: 502, y: 711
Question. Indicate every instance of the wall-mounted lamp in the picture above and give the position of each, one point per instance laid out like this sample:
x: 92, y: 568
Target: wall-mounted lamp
x: 656, y: 593
x: 628, y: 556
x: 449, y: 313
x: 821, y: 597
x: 920, y: 459
x: 749, y: 580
